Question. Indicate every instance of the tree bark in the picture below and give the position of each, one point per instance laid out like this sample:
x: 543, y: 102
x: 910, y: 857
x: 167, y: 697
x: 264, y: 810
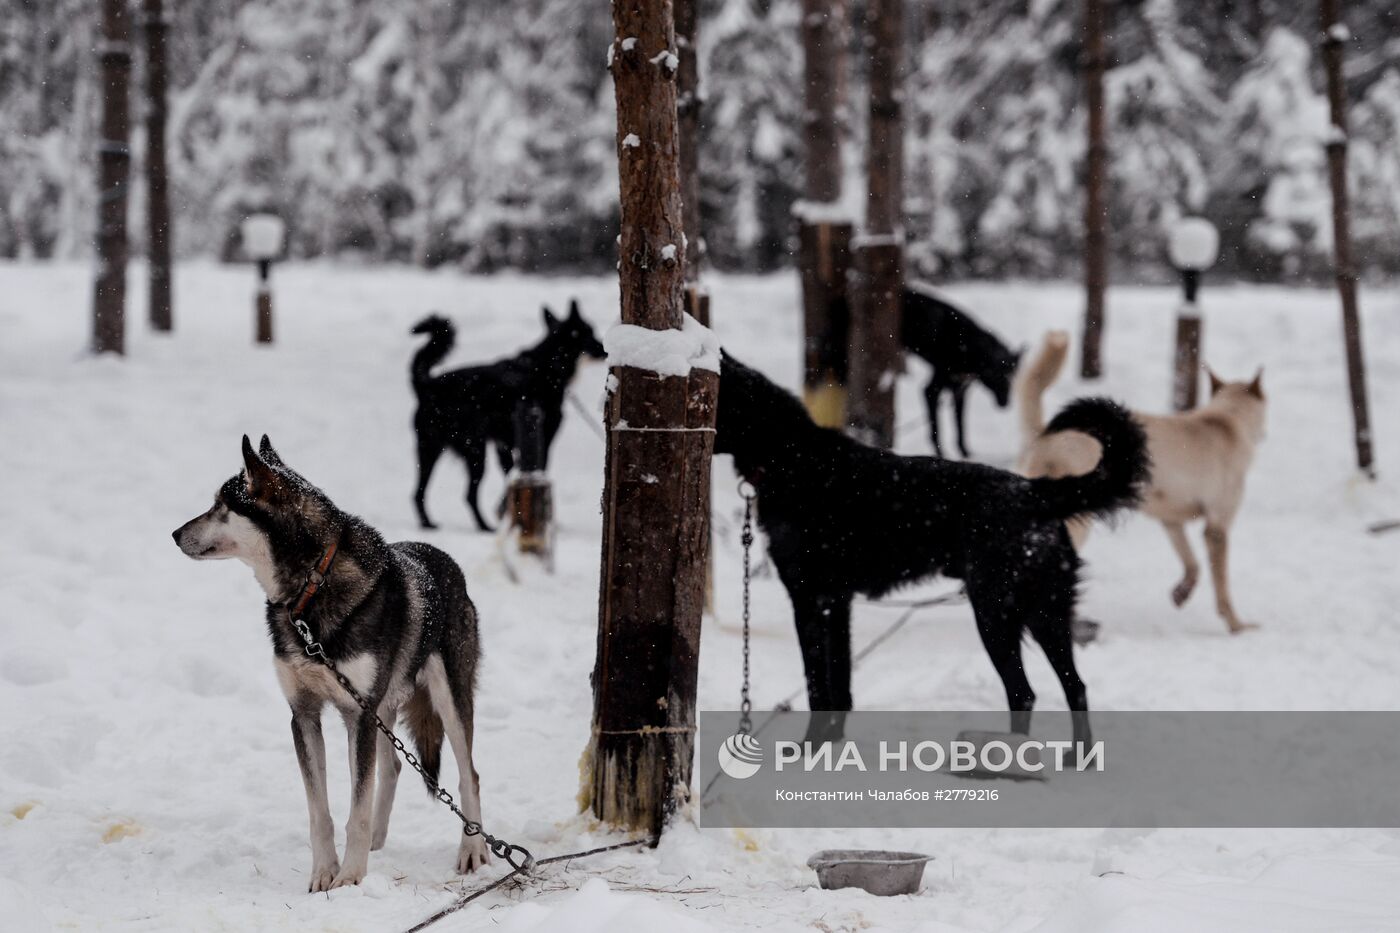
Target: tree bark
x: 1333, y: 38
x: 158, y: 227
x: 657, y: 483
x: 113, y: 171
x: 1095, y: 212
x: 824, y: 262
x: 874, y: 350
x: 824, y: 80
x: 824, y: 240
x: 688, y: 110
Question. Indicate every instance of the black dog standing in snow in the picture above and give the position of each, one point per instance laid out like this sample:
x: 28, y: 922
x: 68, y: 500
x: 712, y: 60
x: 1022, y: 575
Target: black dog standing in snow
x: 466, y: 408
x: 960, y: 353
x: 843, y: 518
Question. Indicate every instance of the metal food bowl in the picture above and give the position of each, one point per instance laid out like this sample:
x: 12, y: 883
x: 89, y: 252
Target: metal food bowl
x: 873, y: 870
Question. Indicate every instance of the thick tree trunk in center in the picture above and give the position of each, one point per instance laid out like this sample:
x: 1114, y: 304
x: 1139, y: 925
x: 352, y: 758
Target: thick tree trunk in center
x: 113, y: 171
x: 657, y: 483
x: 1333, y: 37
x: 158, y: 232
x: 875, y: 349
x: 1095, y: 209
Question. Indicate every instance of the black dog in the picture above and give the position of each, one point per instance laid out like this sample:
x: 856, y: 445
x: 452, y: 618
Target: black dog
x: 465, y: 408
x: 843, y: 518
x: 960, y: 351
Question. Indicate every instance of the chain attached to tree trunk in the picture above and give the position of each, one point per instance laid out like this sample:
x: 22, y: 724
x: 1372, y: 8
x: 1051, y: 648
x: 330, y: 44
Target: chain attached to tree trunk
x: 516, y: 856
x: 749, y: 494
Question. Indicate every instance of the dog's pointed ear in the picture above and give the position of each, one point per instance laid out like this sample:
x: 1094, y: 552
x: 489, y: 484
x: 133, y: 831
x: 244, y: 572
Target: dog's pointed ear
x: 270, y: 456
x: 261, y: 479
x: 574, y: 314
x: 1256, y: 385
x: 1216, y: 383
x: 551, y: 323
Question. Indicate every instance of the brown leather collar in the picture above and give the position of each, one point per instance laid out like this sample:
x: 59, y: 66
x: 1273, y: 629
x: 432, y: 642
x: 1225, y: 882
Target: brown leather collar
x: 314, y: 580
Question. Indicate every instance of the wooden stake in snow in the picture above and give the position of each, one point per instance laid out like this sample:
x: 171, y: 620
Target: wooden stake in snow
x: 875, y: 347
x: 113, y: 171
x: 824, y: 236
x: 158, y: 232
x: 1334, y: 35
x: 1095, y: 211
x: 657, y: 484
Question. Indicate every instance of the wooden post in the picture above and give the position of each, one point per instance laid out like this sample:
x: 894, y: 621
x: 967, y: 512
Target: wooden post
x: 657, y: 482
x: 158, y: 231
x: 530, y: 499
x: 113, y: 171
x: 1095, y: 210
x: 823, y: 239
x: 875, y: 346
x: 1186, y: 371
x: 263, y: 302
x: 1334, y: 35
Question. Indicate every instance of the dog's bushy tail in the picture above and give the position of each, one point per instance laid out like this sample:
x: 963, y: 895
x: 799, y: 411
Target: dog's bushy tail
x: 444, y: 335
x: 1033, y: 377
x: 1116, y: 481
x: 425, y: 729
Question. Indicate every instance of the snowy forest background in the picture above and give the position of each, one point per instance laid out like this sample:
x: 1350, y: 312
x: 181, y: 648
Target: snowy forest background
x: 481, y: 133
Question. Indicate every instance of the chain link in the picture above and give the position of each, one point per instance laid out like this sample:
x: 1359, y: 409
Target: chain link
x: 749, y: 494
x: 507, y: 851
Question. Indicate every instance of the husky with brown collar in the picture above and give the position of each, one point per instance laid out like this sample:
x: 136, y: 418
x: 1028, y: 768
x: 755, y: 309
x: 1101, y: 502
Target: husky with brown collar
x: 1199, y: 462
x: 395, y: 619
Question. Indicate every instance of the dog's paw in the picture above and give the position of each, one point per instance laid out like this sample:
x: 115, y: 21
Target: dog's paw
x: 1238, y: 628
x: 350, y: 874
x: 1083, y: 631
x: 428, y: 526
x: 1182, y: 591
x: 323, y: 877
x: 472, y: 855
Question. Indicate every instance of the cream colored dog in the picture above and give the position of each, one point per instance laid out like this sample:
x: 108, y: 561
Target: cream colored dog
x: 1199, y: 462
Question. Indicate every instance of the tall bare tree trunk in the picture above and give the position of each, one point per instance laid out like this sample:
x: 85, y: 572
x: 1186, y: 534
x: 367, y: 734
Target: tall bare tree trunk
x: 1334, y: 35
x: 1095, y: 211
x: 113, y: 170
x: 657, y: 483
x: 823, y: 237
x: 158, y: 227
x: 876, y: 313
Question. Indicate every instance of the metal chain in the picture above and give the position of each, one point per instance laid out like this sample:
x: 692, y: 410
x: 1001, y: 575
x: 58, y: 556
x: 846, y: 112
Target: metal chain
x: 746, y: 539
x: 507, y: 851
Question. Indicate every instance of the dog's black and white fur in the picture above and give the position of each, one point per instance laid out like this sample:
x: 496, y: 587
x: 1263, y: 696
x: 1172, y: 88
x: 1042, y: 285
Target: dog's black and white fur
x: 467, y: 408
x: 960, y: 353
x: 845, y: 519
x: 394, y: 618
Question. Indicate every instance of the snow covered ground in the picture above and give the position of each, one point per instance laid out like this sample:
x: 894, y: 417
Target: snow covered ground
x: 147, y: 780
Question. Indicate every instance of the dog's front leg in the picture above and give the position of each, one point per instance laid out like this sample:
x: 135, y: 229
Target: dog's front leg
x: 310, y: 746
x: 932, y: 392
x: 1218, y: 547
x: 360, y: 727
x: 388, y: 779
x: 959, y: 398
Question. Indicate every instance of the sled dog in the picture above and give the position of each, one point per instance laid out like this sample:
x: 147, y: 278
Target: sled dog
x: 466, y: 408
x: 843, y: 518
x: 1199, y: 462
x: 394, y: 618
x: 960, y: 351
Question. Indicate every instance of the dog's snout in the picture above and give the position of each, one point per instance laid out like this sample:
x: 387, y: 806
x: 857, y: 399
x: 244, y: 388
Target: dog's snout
x: 175, y: 535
